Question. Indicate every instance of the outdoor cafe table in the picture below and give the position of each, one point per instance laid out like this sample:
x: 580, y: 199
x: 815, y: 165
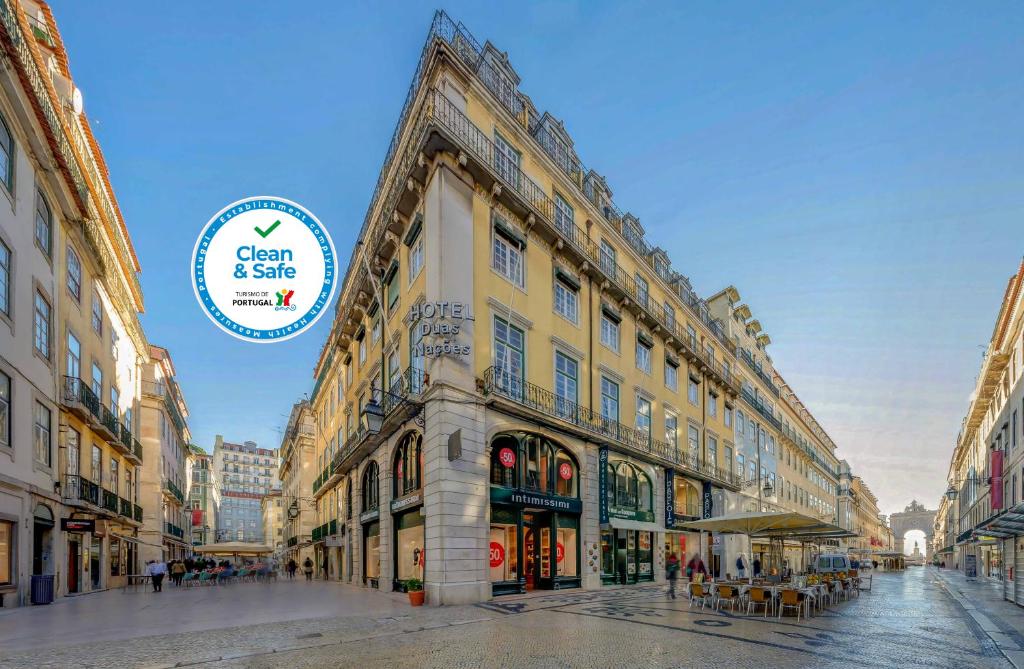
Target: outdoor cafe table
x: 812, y: 593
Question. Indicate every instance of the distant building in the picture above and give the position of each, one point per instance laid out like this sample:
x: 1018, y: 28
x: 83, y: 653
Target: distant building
x: 297, y: 474
x: 203, y: 497
x: 245, y: 473
x: 165, y: 437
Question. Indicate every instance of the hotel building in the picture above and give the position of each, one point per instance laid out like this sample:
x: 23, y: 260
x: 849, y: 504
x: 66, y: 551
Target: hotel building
x: 246, y: 474
x: 980, y: 520
x: 165, y: 443
x: 70, y: 337
x: 518, y: 390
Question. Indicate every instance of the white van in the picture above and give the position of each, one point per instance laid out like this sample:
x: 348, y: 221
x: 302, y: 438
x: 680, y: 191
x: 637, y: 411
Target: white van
x: 832, y: 563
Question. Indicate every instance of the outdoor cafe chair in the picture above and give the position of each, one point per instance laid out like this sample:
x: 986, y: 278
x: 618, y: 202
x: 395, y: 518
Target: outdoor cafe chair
x: 729, y: 594
x: 699, y: 591
x: 791, y: 599
x: 758, y: 596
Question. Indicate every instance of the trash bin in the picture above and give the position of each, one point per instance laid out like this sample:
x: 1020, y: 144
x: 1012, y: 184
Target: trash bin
x: 42, y: 588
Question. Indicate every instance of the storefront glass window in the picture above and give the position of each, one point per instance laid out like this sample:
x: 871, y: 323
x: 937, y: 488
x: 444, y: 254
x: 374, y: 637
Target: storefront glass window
x: 407, y: 473
x: 373, y: 550
x: 410, y: 546
x: 504, y: 461
x: 644, y: 556
x: 115, y: 557
x: 371, y: 489
x: 607, y: 553
x: 6, y: 552
x: 503, y: 552
x: 567, y: 547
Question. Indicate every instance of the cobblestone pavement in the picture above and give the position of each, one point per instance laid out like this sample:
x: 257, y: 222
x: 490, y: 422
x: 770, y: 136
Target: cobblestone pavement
x: 907, y: 620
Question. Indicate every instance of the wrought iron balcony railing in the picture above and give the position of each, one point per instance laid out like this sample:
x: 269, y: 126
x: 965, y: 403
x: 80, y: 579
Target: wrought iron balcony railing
x: 171, y: 487
x: 511, y: 387
x: 173, y: 530
x: 137, y: 513
x: 761, y: 408
x: 126, y: 508
x: 749, y: 362
x: 80, y: 489
x: 110, y: 500
x: 77, y: 393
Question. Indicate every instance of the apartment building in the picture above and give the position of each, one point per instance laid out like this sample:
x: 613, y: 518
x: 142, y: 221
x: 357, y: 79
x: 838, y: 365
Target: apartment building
x: 165, y: 442
x: 70, y: 337
x: 203, y: 497
x: 518, y: 390
x: 246, y: 473
x: 297, y: 471
x: 858, y: 512
x: 982, y: 513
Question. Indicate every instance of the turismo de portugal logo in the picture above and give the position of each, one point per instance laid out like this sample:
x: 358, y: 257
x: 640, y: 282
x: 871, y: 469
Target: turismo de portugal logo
x: 264, y: 269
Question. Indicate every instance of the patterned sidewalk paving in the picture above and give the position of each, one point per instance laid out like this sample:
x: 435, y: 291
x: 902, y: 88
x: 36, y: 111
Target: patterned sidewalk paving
x: 909, y: 620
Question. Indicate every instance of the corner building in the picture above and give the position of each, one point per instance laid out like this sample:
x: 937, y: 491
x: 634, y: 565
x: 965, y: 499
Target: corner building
x: 518, y: 391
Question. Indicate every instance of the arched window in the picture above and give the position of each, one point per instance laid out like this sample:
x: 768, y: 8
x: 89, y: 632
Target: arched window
x: 629, y: 487
x: 371, y: 488
x: 532, y: 461
x: 408, y: 474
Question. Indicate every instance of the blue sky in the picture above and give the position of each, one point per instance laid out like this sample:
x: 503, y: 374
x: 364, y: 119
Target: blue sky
x: 854, y: 169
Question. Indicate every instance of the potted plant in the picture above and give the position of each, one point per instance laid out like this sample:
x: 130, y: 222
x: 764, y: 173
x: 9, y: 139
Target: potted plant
x: 414, y: 587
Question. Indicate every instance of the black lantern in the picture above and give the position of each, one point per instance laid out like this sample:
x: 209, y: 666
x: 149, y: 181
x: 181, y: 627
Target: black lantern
x: 372, y: 416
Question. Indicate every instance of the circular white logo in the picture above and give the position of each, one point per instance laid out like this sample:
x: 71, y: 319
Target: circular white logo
x: 264, y: 269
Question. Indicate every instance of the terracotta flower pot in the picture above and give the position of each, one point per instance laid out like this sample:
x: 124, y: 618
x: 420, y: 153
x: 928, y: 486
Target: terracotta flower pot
x: 416, y: 597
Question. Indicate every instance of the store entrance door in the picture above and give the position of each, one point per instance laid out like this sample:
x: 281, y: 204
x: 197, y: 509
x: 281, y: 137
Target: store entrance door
x: 537, y: 549
x: 73, y: 561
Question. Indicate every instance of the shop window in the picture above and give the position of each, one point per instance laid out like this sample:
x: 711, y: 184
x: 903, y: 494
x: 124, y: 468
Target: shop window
x: 410, y: 555
x: 371, y: 488
x: 6, y: 552
x: 629, y: 488
x: 408, y: 472
x: 503, y: 552
x: 566, y: 547
x: 533, y: 462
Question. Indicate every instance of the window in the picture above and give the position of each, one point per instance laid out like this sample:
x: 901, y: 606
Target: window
x: 566, y: 380
x: 643, y: 356
x: 564, y: 219
x: 5, y: 275
x: 7, y: 179
x: 97, y: 314
x: 114, y: 339
x: 608, y: 262
x: 44, y: 224
x: 641, y: 290
x: 415, y: 258
x: 509, y: 358
x: 393, y: 288
x: 41, y: 326
x: 74, y: 271
x: 671, y: 374
x: 375, y: 331
x: 672, y: 429
x: 114, y: 401
x: 692, y: 392
x: 727, y: 458
x: 97, y: 380
x: 566, y: 301
x: 41, y: 433
x: 609, y: 399
x: 507, y: 257
x: 506, y: 160
x: 727, y: 416
x: 531, y: 461
x: 5, y: 414
x: 712, y: 446
x: 643, y: 415
x: 115, y: 478
x: 362, y: 350
x: 609, y: 333
x: 628, y: 487
x: 394, y: 373
x: 712, y: 404
x: 693, y: 441
x: 408, y: 462
x: 670, y: 315
x: 6, y: 537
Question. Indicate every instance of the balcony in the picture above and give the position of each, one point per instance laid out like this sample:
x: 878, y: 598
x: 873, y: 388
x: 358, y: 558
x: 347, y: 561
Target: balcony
x: 109, y: 500
x: 173, y: 491
x: 132, y: 447
x: 79, y: 490
x: 137, y: 513
x: 292, y: 541
x: 174, y: 530
x: 80, y: 400
x: 536, y: 403
x: 749, y: 362
x: 789, y: 437
x: 761, y: 408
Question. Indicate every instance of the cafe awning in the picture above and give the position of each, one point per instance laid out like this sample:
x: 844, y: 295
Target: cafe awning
x: 624, y: 524
x: 767, y: 524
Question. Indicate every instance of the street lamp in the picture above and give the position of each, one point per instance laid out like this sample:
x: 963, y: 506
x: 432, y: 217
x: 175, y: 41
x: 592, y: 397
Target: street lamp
x: 953, y: 492
x: 372, y: 416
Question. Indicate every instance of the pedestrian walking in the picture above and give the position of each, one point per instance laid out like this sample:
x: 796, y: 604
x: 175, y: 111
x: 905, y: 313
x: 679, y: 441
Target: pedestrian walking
x: 741, y: 567
x: 291, y: 568
x: 757, y: 567
x: 694, y: 567
x: 177, y: 572
x: 307, y: 568
x: 672, y: 573
x: 156, y: 570
x: 325, y: 565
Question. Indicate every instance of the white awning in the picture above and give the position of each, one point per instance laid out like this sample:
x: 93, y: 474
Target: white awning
x: 623, y: 524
